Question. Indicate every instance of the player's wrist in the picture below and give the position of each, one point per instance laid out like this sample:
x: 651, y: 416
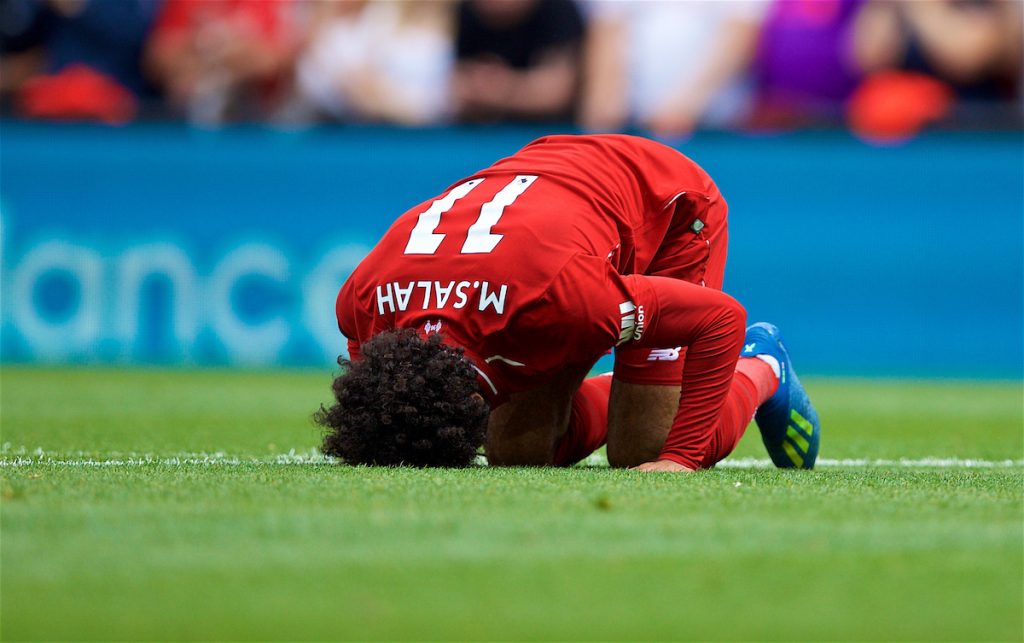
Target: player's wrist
x: 664, y: 466
x: 682, y: 460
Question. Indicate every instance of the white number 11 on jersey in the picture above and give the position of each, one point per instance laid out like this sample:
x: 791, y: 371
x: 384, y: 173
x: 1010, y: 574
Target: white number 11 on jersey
x: 479, y: 239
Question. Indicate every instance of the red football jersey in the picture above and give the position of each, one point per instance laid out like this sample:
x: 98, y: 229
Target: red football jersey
x: 528, y: 264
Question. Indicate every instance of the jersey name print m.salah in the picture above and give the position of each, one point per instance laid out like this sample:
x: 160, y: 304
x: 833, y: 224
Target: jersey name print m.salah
x: 397, y: 297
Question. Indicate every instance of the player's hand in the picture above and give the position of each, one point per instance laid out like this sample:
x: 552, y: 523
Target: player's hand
x: 663, y: 465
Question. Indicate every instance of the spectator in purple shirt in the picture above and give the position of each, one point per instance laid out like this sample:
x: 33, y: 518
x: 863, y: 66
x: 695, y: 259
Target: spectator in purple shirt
x: 805, y: 66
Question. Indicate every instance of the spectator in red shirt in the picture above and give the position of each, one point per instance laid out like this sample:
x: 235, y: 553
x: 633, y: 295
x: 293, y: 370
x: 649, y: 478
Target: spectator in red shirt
x: 223, y: 59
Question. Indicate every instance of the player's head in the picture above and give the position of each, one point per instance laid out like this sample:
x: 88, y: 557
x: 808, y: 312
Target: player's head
x: 409, y: 401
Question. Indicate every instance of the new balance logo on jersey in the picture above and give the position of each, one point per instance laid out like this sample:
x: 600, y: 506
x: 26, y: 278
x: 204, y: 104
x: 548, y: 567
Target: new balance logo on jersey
x: 632, y: 326
x: 664, y: 354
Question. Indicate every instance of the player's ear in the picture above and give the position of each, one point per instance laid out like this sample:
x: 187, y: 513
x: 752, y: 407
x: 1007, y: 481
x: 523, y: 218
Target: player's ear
x: 477, y: 396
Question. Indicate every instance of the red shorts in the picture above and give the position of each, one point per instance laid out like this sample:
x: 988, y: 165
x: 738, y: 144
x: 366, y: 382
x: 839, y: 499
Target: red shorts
x: 693, y: 249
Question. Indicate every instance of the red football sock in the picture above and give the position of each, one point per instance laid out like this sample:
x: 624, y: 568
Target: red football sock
x: 752, y: 384
x: 761, y: 375
x: 588, y: 426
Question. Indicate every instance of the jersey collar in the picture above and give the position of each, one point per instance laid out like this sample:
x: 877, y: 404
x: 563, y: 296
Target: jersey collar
x: 490, y: 386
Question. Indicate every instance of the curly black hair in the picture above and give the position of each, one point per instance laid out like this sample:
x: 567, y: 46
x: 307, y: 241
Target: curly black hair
x: 409, y: 401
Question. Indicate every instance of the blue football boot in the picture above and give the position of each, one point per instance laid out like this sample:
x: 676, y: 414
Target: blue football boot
x: 789, y: 425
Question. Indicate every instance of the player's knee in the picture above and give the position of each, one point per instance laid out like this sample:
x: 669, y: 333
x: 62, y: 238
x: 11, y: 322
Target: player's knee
x: 737, y: 312
x: 735, y: 318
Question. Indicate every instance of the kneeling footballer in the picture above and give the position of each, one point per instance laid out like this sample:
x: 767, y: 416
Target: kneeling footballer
x: 476, y: 319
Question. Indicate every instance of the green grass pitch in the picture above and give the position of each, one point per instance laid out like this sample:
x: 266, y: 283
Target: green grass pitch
x: 153, y: 505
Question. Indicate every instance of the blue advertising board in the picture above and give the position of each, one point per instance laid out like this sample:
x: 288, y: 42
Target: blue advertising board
x: 157, y: 243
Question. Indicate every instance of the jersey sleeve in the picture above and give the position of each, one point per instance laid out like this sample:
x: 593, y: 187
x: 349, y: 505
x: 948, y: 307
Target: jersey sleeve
x: 710, y: 323
x: 353, y: 325
x: 353, y: 351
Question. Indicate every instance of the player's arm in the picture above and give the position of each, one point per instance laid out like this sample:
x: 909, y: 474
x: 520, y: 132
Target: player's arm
x: 711, y: 324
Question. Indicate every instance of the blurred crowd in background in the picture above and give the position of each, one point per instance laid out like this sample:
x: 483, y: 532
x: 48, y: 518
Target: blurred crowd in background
x: 886, y: 68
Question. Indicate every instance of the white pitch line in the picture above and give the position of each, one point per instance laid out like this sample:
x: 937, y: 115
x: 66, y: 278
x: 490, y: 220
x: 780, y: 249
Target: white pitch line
x: 25, y: 457
x: 22, y: 457
x: 911, y: 463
